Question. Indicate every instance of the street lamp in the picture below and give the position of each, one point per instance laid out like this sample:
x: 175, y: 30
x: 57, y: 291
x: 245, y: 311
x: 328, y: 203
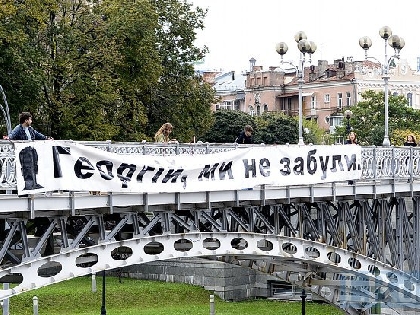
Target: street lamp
x: 103, y: 308
x: 397, y: 43
x: 348, y: 113
x: 303, y: 297
x: 305, y: 47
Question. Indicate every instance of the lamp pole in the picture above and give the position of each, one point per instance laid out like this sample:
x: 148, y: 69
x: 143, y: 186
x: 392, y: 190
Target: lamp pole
x: 300, y: 82
x: 397, y: 43
x: 303, y: 296
x: 103, y: 309
x: 305, y: 47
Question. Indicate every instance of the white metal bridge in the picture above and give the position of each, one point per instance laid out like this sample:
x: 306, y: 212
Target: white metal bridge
x: 355, y: 245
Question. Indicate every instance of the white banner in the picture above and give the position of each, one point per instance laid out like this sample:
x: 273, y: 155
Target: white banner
x: 65, y: 165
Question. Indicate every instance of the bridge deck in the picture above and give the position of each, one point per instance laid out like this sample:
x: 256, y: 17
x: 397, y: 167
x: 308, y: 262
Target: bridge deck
x: 353, y: 244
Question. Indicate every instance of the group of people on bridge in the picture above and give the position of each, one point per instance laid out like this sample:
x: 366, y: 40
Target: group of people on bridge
x: 25, y: 131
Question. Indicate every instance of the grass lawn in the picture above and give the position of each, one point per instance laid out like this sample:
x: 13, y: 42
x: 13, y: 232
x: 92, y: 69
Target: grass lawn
x: 138, y: 297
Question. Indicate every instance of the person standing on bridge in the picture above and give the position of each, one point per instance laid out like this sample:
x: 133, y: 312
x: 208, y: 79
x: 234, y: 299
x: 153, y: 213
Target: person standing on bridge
x: 410, y: 141
x: 162, y: 135
x: 25, y: 131
x: 352, y: 138
x: 28, y: 157
x: 245, y: 137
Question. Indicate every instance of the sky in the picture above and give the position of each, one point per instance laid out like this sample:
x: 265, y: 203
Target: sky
x: 238, y: 30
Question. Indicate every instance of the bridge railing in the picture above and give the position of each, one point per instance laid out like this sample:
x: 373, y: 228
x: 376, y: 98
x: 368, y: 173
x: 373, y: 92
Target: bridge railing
x: 397, y: 163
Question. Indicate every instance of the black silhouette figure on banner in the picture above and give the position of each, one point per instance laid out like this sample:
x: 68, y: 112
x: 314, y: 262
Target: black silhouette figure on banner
x: 28, y: 158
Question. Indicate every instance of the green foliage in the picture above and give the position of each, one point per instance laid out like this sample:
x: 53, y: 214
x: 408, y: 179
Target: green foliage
x: 104, y: 70
x: 369, y: 117
x: 312, y: 133
x: 276, y: 128
x: 399, y: 136
x: 269, y: 128
x: 178, y: 96
x: 227, y: 126
x: 133, y: 297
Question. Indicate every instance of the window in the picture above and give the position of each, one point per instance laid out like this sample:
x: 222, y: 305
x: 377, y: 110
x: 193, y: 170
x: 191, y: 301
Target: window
x: 237, y: 104
x: 410, y: 99
x: 258, y: 110
x: 227, y: 105
x: 326, y: 98
x: 313, y: 102
x: 289, y: 103
x: 348, y: 99
x: 265, y: 108
x: 334, y: 122
x: 283, y: 104
x: 339, y: 100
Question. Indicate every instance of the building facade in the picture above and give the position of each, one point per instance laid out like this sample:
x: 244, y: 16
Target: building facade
x: 328, y: 89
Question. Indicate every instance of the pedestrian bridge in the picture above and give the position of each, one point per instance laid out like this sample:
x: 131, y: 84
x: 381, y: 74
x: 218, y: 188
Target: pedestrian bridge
x: 352, y: 241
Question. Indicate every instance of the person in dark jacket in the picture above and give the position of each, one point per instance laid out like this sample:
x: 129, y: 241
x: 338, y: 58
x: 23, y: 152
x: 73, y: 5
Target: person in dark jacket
x: 410, y: 141
x: 24, y: 131
x: 245, y: 137
x: 352, y: 138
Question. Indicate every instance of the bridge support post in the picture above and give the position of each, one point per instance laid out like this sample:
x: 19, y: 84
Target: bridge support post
x: 212, y: 308
x: 5, y: 301
x: 35, y: 305
x: 303, y: 296
x: 376, y: 309
x: 93, y: 282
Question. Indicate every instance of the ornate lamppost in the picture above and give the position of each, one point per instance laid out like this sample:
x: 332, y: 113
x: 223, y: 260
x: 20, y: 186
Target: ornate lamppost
x: 397, y: 43
x: 103, y: 307
x: 305, y: 47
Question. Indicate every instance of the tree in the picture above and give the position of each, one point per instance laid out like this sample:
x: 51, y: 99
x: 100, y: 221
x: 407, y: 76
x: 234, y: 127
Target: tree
x: 269, y: 128
x: 368, y: 117
x: 312, y: 133
x: 276, y: 128
x: 227, y: 126
x: 179, y: 96
x: 112, y: 69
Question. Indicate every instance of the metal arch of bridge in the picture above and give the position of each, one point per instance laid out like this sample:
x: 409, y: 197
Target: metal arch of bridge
x: 362, y: 244
x: 369, y: 272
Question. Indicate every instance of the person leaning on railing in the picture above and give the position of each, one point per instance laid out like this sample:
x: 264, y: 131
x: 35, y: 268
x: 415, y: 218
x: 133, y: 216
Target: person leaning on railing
x: 351, y: 139
x: 162, y: 135
x: 24, y: 131
x: 245, y: 136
